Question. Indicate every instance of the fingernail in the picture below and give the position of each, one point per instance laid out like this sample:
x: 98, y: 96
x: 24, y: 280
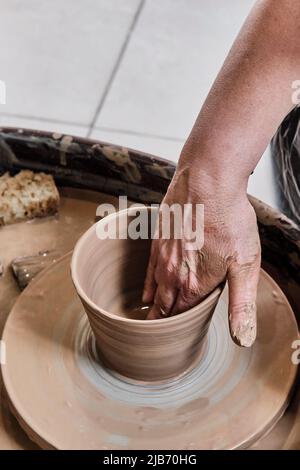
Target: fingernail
x: 243, y: 331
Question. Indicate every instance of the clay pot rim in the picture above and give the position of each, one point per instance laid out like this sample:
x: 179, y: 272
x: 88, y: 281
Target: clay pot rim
x: 212, y: 296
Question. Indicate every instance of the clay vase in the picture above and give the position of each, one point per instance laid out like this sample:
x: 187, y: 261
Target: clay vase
x: 108, y: 275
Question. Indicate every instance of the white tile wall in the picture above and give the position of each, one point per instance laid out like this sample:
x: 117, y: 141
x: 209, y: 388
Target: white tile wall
x: 171, y: 61
x: 137, y: 69
x: 57, y: 56
x: 44, y: 125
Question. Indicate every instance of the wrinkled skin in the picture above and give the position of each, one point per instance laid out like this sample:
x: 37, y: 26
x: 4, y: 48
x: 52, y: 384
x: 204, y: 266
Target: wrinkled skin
x: 178, y: 278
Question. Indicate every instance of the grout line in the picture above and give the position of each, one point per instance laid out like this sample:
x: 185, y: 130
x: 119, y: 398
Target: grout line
x: 117, y: 64
x: 77, y: 124
x: 42, y: 119
x: 138, y: 134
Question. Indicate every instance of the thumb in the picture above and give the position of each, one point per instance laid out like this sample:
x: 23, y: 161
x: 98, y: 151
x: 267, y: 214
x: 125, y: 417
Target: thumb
x: 243, y: 281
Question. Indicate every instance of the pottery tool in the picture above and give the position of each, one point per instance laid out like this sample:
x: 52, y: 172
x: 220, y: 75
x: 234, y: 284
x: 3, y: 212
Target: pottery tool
x: 26, y: 268
x: 70, y: 400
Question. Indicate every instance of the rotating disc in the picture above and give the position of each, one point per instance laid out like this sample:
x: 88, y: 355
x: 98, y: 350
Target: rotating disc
x: 65, y: 398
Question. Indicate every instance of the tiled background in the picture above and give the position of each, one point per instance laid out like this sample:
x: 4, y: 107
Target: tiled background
x: 131, y: 72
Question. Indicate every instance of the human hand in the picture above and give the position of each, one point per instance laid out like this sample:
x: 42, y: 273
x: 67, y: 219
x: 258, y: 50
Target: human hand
x: 179, y: 278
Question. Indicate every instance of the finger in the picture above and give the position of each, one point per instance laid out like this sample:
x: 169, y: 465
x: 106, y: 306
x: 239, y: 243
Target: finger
x: 183, y: 303
x: 243, y: 281
x: 157, y: 311
x: 193, y: 291
x: 164, y: 298
x: 154, y: 313
x: 150, y: 284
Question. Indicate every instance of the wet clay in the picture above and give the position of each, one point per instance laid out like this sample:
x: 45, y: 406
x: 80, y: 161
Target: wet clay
x: 76, y: 215
x: 228, y: 400
x: 109, y: 275
x: 59, y: 233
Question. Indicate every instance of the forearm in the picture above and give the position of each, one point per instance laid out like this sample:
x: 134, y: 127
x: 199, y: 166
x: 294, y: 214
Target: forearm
x: 249, y: 99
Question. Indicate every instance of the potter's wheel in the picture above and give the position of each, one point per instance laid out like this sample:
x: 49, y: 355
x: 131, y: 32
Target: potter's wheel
x: 65, y: 398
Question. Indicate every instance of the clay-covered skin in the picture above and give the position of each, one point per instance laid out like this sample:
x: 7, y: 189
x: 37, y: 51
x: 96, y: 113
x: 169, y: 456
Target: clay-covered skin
x: 179, y: 278
x: 249, y: 99
x: 244, y: 332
